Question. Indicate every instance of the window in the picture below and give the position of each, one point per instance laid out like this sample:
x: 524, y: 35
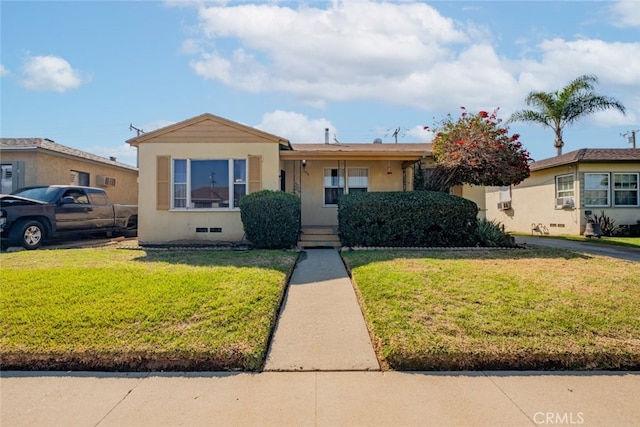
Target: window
x: 207, y: 184
x: 78, y: 196
x: 6, y: 171
x: 564, y: 190
x: 98, y: 197
x: 79, y: 178
x: 505, y: 194
x: 596, y: 189
x: 358, y: 180
x: 625, y: 189
x: 334, y: 183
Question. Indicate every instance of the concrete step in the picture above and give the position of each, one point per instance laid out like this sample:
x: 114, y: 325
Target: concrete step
x: 319, y: 230
x: 319, y: 237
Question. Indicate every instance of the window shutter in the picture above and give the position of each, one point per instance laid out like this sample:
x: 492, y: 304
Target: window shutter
x: 255, y: 173
x: 163, y: 182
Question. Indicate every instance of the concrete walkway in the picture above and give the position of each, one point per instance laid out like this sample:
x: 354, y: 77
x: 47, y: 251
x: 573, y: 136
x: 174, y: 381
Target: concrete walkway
x: 321, y: 327
x: 620, y: 252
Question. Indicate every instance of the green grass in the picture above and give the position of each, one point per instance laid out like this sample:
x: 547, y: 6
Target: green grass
x: 502, y: 309
x: 118, y: 309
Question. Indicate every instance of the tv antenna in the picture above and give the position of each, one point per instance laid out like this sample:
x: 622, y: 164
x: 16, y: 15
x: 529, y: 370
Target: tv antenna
x: 395, y: 134
x: 631, y: 137
x: 138, y: 131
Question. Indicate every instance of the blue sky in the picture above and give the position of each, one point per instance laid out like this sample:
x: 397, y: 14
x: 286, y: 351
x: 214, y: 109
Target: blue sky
x: 81, y: 72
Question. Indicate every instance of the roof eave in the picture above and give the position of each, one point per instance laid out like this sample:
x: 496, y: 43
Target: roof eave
x: 350, y: 155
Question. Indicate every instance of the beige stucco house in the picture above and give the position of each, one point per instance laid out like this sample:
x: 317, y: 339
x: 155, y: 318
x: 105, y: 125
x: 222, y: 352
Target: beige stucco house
x: 193, y: 173
x: 28, y: 162
x: 562, y: 191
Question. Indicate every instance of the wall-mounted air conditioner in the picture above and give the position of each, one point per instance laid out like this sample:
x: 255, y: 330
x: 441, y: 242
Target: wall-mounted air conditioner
x: 504, y: 206
x: 564, y: 202
x: 105, y: 181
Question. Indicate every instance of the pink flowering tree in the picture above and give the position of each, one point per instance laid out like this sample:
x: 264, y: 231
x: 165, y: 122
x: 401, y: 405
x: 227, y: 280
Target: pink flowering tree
x: 477, y: 150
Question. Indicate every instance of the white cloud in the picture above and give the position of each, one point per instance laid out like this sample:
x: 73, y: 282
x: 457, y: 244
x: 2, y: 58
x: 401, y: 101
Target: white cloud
x: 51, y: 74
x: 295, y: 127
x: 617, y: 66
x: 625, y: 14
x: 396, y: 53
x: 337, y: 53
x: 3, y: 71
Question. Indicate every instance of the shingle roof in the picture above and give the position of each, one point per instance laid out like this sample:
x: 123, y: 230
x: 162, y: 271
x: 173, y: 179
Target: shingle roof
x: 46, y: 144
x: 589, y: 155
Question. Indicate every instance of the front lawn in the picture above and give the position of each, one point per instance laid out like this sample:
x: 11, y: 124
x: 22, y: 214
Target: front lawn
x: 116, y: 309
x: 500, y: 309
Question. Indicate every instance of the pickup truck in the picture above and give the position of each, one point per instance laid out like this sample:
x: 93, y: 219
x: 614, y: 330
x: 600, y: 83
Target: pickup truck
x: 32, y: 214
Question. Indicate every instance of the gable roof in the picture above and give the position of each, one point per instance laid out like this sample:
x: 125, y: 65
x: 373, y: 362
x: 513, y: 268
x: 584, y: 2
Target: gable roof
x: 402, y: 151
x: 31, y: 144
x: 203, y: 118
x: 589, y: 155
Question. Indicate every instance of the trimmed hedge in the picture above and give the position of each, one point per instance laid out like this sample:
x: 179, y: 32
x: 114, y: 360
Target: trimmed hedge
x: 406, y: 219
x: 271, y: 219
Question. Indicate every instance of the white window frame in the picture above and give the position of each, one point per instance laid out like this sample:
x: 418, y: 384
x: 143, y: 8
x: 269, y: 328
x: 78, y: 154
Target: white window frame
x: 608, y: 189
x: 343, y: 181
x: 188, y: 202
x: 637, y: 190
x: 565, y: 199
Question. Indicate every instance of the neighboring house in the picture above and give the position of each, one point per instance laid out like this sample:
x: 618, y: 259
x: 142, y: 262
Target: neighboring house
x: 193, y: 174
x: 563, y: 191
x: 28, y: 162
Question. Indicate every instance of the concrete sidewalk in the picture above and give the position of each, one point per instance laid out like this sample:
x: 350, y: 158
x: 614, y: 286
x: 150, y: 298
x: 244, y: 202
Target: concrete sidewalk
x: 320, y: 399
x: 321, y: 326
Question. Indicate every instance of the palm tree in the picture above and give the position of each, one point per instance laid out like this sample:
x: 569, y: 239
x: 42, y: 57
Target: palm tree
x: 557, y: 109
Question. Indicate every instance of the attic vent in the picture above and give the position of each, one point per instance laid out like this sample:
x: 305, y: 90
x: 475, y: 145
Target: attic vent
x: 106, y: 181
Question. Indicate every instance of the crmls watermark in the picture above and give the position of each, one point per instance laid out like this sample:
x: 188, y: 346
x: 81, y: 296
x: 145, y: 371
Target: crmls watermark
x: 559, y: 418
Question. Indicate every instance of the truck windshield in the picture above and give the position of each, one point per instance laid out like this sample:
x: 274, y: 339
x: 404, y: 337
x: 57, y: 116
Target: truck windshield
x: 44, y: 194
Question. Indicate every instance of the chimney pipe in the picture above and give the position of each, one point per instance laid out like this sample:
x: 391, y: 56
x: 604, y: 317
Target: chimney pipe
x: 326, y: 135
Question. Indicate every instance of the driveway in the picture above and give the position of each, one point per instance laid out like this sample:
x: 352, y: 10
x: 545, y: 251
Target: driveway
x: 620, y: 252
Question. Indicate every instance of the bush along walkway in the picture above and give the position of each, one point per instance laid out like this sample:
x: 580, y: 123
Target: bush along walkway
x: 321, y: 326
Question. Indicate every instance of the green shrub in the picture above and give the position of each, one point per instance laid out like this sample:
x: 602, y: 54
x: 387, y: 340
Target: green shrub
x: 607, y: 224
x: 271, y: 219
x: 492, y: 234
x: 406, y: 219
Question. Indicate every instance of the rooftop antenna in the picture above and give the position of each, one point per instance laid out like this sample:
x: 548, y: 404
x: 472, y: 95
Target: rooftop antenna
x: 138, y: 131
x: 631, y: 137
x: 395, y: 133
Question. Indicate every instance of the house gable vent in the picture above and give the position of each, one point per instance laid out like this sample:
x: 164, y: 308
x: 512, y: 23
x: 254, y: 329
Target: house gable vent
x: 105, y: 181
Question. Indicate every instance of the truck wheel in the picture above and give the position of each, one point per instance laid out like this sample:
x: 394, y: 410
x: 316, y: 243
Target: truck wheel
x: 28, y: 234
